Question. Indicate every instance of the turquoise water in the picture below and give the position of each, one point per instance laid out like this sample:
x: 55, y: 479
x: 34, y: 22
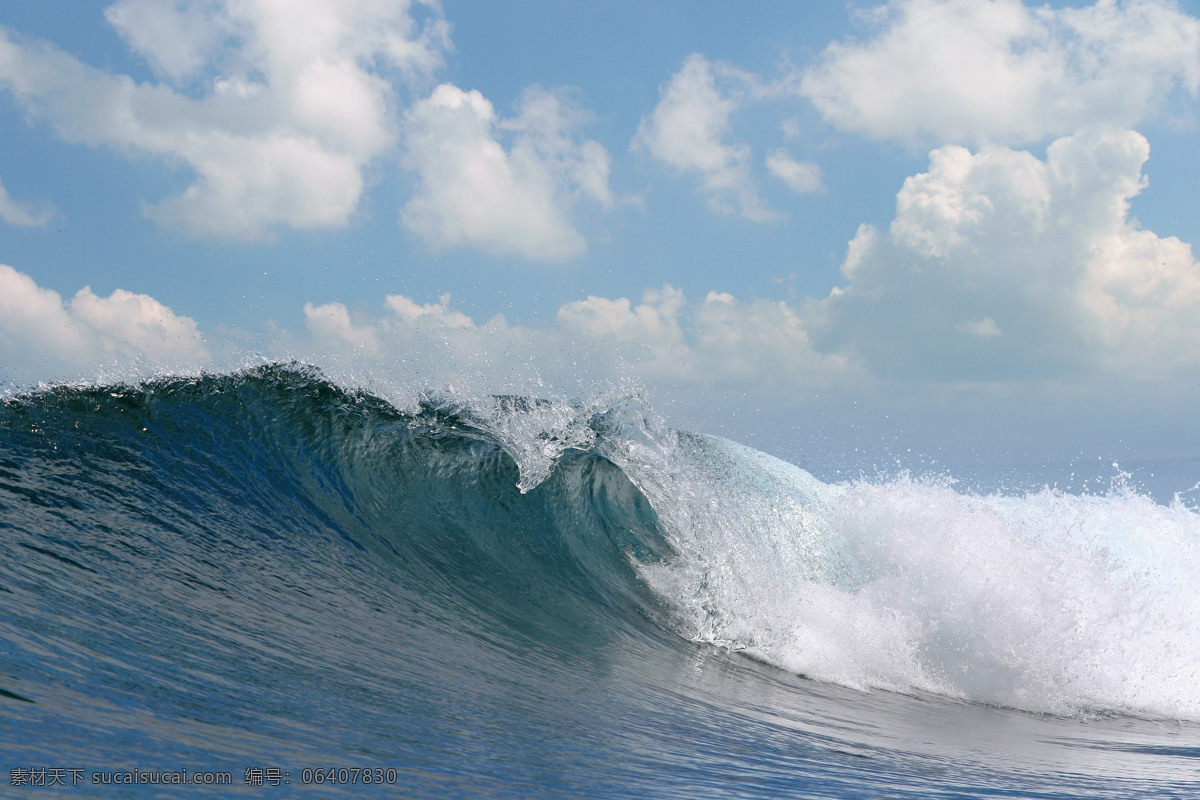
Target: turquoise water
x: 271, y: 578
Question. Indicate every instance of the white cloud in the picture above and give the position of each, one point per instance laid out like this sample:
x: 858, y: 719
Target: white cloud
x: 268, y: 180
x: 41, y: 337
x: 15, y: 213
x: 689, y: 130
x: 980, y: 327
x: 801, y: 177
x: 664, y: 342
x: 331, y: 322
x: 276, y: 107
x: 1000, y: 71
x: 177, y: 38
x: 761, y: 342
x: 1001, y: 265
x: 649, y: 334
x: 472, y: 191
x: 438, y: 313
x: 655, y: 319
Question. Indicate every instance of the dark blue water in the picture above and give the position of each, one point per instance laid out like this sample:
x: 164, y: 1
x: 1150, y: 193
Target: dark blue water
x: 267, y: 576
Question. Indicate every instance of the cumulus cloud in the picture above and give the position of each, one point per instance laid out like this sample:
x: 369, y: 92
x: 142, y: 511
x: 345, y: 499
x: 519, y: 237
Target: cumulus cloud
x: 1001, y: 265
x: 664, y: 342
x: 276, y: 108
x: 689, y: 130
x: 331, y: 322
x: 718, y: 339
x: 762, y: 342
x: 1000, y: 71
x: 649, y: 334
x: 473, y: 191
x: 15, y: 213
x: 42, y: 337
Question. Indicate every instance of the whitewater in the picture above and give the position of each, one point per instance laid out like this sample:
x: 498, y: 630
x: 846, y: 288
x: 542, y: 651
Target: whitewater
x: 288, y: 585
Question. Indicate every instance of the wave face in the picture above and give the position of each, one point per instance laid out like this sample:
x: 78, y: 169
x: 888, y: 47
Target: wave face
x: 504, y: 596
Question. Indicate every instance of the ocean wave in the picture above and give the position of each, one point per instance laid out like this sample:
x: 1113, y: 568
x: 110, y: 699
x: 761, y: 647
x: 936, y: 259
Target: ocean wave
x: 576, y: 527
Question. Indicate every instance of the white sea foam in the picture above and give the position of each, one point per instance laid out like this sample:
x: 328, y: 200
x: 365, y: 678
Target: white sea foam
x: 1046, y: 601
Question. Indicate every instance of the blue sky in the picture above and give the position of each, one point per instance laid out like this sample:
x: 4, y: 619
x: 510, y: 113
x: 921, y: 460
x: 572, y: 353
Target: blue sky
x: 930, y: 221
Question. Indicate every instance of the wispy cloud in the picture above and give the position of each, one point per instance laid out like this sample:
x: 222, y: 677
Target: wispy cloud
x: 15, y: 213
x: 690, y: 131
x: 801, y: 177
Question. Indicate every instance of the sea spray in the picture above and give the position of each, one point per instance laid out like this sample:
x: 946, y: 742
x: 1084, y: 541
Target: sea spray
x: 1043, y: 601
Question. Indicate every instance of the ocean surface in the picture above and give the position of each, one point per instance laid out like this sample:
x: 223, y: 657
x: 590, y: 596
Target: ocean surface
x: 264, y: 584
